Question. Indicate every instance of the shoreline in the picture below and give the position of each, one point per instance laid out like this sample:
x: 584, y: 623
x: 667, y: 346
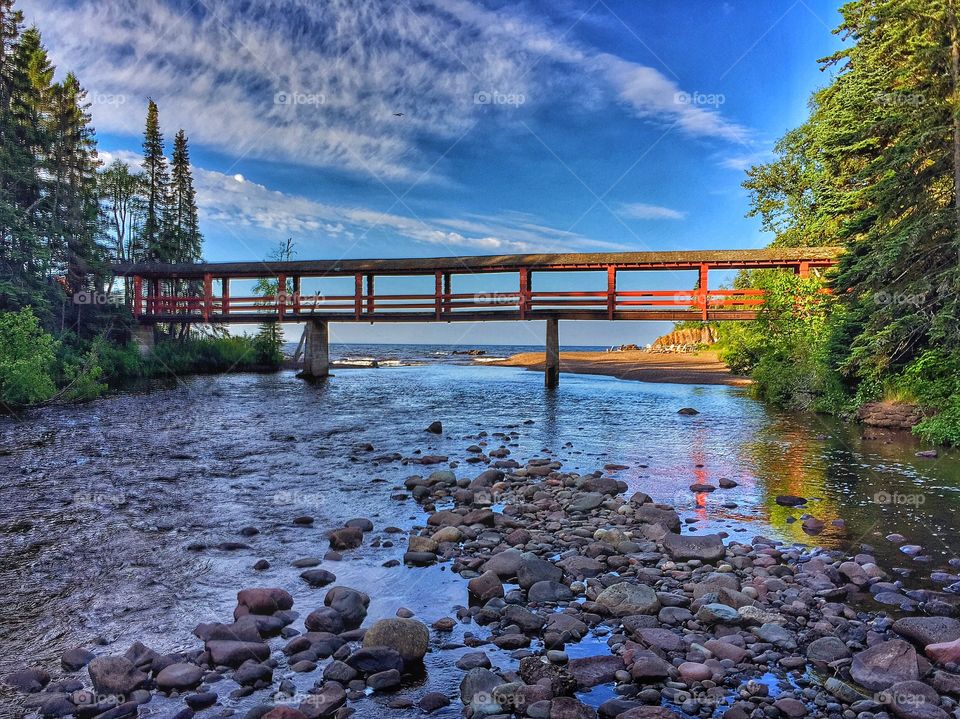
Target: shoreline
x: 675, y: 368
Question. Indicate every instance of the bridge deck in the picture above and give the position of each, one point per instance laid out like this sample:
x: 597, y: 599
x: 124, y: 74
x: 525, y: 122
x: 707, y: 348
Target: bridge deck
x: 185, y: 292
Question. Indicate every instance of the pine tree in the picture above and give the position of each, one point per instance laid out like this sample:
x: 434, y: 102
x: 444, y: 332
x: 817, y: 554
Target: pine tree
x: 157, y: 190
x: 73, y: 164
x: 183, y: 227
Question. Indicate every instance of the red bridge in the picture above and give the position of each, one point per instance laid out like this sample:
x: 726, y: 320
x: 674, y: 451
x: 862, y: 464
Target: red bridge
x: 201, y: 292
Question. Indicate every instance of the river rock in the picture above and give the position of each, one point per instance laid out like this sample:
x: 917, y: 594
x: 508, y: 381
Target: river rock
x: 885, y: 664
x: 790, y: 500
x: 325, y: 702
x: 233, y: 654
x: 718, y: 614
x: 505, y: 564
x: 944, y: 652
x: 623, y: 599
x: 27, y: 681
x: 913, y: 700
x: 570, y: 708
x: 705, y: 547
x: 263, y: 601
x: 372, y: 660
x: 76, y: 659
x: 650, y: 514
x: 645, y: 666
x: 485, y: 586
x: 318, y: 577
x: 350, y: 604
x: 408, y: 637
x: 825, y: 650
x: 324, y: 619
x: 650, y: 713
x: 590, y: 671
x: 346, y: 538
x: 691, y: 672
x: 585, y: 502
x: 384, y: 680
x: 533, y: 569
x: 179, y: 676
x: 115, y: 676
x: 476, y: 690
x: 928, y: 630
x: 432, y: 701
x: 548, y: 591
x: 435, y: 428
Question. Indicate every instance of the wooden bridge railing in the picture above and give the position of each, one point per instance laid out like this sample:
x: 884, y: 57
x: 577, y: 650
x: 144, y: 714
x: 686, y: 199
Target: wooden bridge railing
x: 185, y: 293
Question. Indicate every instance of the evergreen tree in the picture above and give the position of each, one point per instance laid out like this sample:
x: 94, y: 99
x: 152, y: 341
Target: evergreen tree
x: 156, y: 191
x: 183, y: 226
x: 74, y: 202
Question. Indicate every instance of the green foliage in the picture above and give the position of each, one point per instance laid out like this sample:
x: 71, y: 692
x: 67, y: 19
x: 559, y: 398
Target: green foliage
x: 211, y: 355
x: 934, y: 380
x: 872, y: 169
x: 783, y: 350
x: 27, y: 356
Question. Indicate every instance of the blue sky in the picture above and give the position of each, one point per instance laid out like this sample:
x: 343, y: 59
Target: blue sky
x: 531, y: 126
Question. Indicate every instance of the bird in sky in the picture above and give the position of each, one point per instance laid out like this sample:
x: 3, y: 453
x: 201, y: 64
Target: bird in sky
x: 398, y: 114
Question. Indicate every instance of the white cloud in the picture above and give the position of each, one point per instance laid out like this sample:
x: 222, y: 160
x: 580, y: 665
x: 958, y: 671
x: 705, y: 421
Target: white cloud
x: 243, y: 205
x: 318, y: 83
x: 642, y: 211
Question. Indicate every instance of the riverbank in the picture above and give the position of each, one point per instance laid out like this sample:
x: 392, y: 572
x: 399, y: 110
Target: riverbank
x: 678, y: 368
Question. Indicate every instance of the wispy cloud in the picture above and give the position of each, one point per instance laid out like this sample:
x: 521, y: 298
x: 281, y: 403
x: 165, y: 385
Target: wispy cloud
x: 239, y: 204
x: 318, y: 83
x: 642, y: 211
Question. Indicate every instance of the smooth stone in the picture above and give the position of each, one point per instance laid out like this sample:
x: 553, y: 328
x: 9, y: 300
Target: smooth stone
x: 410, y: 638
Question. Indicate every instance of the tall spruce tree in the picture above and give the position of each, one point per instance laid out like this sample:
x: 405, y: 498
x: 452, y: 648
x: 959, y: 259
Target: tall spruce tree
x: 156, y: 190
x: 74, y: 201
x: 183, y: 226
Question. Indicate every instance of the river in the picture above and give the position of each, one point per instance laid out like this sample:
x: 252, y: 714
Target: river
x: 112, y: 512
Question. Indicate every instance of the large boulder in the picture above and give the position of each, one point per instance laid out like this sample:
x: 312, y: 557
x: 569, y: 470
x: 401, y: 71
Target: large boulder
x: 590, y: 671
x: 505, y: 564
x: 928, y: 630
x: 350, y: 604
x: 486, y: 586
x: 408, y: 637
x: 913, y: 700
x: 263, y: 601
x: 373, y: 660
x: 624, y: 599
x: 650, y: 514
x: 532, y: 569
x: 705, y: 547
x: 179, y: 676
x: 232, y: 654
x: 884, y: 664
x: 115, y: 676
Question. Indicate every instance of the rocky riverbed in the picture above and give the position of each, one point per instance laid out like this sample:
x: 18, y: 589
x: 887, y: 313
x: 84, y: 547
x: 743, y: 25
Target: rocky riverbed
x: 543, y: 592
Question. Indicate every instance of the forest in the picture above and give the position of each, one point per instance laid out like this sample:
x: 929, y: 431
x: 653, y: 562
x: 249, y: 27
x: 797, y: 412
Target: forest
x: 875, y: 169
x: 65, y: 217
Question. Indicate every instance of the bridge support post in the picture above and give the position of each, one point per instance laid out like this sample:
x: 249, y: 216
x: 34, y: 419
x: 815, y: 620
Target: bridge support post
x: 551, y: 368
x: 316, y: 356
x: 143, y: 338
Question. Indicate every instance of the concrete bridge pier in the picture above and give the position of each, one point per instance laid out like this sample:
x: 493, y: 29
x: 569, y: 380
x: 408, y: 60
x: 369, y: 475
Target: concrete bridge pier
x: 316, y: 355
x: 144, y: 339
x: 551, y: 368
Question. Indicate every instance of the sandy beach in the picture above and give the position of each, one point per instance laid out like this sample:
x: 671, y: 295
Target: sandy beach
x: 694, y: 368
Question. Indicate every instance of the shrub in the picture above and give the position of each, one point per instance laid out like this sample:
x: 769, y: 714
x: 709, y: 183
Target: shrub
x: 27, y: 355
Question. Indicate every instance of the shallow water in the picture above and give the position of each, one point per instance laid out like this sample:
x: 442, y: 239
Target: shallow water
x: 99, y: 502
